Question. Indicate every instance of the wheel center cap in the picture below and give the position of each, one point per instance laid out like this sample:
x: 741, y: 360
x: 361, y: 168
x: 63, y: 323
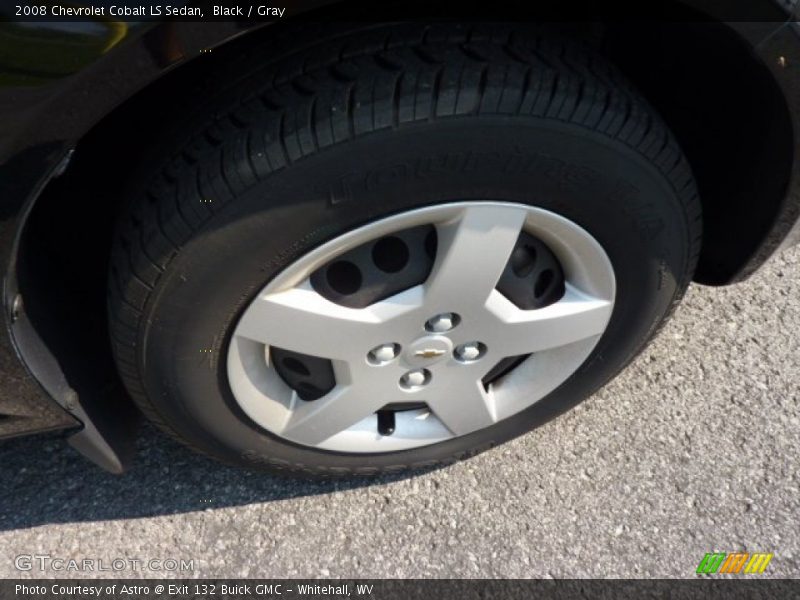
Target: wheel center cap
x: 428, y: 350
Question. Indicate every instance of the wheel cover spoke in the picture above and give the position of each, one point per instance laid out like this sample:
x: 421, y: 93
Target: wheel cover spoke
x: 577, y: 316
x: 301, y: 320
x: 465, y: 406
x: 474, y: 248
x: 311, y: 423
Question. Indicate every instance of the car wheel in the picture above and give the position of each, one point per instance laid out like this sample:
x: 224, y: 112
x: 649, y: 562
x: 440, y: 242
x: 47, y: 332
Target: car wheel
x: 400, y: 254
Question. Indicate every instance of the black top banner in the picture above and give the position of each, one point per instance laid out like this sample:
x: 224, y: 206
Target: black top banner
x: 209, y: 589
x: 256, y: 11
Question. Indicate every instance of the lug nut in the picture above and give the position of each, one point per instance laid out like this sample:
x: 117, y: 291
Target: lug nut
x: 443, y: 322
x: 380, y: 355
x: 470, y: 352
x: 414, y: 380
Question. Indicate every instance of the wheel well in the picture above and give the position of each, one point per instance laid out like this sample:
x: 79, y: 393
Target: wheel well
x: 732, y: 122
x: 717, y: 97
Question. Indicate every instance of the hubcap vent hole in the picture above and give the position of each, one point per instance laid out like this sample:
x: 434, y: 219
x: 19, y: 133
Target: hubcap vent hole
x: 533, y: 277
x: 390, y: 254
x: 310, y: 376
x: 523, y: 260
x: 344, y: 277
x: 378, y: 269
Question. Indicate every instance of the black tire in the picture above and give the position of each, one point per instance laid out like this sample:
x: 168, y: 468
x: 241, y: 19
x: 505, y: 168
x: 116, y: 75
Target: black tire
x: 346, y: 130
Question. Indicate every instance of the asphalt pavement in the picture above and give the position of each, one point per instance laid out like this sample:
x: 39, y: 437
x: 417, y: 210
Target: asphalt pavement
x: 693, y: 449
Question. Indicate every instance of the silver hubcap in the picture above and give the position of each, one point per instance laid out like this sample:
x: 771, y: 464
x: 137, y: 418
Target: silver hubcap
x: 432, y: 344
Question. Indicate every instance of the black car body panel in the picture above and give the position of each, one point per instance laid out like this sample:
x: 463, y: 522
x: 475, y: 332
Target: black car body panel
x: 43, y: 115
x: 57, y: 83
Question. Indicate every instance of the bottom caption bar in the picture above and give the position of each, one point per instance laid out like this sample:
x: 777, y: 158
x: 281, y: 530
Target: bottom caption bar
x: 410, y: 589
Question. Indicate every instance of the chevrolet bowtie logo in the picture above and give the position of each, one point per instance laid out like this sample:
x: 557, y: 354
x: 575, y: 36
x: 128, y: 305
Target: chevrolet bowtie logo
x: 428, y: 353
